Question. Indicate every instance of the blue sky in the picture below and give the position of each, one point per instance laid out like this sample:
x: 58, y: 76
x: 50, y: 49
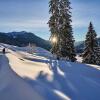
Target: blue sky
x: 32, y: 16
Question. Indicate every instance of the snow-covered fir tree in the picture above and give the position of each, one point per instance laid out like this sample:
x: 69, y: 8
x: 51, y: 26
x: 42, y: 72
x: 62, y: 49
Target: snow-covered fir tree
x: 53, y: 24
x: 97, y: 52
x: 66, y: 33
x: 90, y: 55
x: 60, y: 27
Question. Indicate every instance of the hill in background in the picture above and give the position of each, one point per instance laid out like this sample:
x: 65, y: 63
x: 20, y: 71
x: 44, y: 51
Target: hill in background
x: 23, y: 39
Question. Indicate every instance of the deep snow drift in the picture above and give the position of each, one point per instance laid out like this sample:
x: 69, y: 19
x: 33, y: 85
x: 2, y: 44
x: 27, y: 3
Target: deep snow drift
x: 43, y: 77
x: 12, y: 87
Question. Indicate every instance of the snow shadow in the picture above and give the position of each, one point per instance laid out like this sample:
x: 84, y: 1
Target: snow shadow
x: 47, y: 60
x: 45, y: 87
x: 79, y: 82
x: 38, y: 60
x: 12, y: 86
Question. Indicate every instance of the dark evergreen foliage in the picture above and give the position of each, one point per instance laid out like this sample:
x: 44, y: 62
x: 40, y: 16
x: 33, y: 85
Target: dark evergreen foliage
x: 53, y: 24
x: 60, y: 26
x: 97, y: 52
x: 90, y: 52
x: 66, y: 33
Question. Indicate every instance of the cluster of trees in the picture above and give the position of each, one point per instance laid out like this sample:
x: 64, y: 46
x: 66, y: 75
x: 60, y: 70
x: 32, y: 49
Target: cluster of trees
x: 61, y: 29
x: 61, y: 32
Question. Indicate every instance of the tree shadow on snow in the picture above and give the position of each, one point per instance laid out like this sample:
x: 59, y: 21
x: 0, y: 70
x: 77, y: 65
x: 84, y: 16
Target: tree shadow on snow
x: 79, y: 82
x: 38, y: 60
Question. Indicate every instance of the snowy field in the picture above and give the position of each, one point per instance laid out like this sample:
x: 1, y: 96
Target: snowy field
x: 37, y: 76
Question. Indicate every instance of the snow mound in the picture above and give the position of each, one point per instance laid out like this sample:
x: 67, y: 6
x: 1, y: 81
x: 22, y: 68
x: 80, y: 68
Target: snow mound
x: 12, y: 87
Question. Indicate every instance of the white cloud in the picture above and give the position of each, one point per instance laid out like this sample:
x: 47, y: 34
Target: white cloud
x: 36, y: 23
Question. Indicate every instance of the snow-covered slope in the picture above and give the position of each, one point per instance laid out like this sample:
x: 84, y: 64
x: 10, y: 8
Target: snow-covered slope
x: 12, y: 87
x: 49, y: 78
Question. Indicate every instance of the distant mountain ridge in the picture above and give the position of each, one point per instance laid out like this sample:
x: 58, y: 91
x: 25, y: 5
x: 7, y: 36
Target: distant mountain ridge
x: 23, y: 39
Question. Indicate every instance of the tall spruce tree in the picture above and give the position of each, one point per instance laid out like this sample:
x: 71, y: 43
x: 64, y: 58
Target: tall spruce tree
x: 54, y: 24
x: 90, y: 53
x: 65, y: 29
x: 60, y: 27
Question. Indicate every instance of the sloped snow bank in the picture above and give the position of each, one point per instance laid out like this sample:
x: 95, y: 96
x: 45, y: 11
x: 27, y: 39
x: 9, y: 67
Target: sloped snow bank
x: 12, y: 87
x: 70, y: 81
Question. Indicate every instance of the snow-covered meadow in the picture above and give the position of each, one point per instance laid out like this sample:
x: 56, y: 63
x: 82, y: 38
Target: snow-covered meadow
x: 38, y: 76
